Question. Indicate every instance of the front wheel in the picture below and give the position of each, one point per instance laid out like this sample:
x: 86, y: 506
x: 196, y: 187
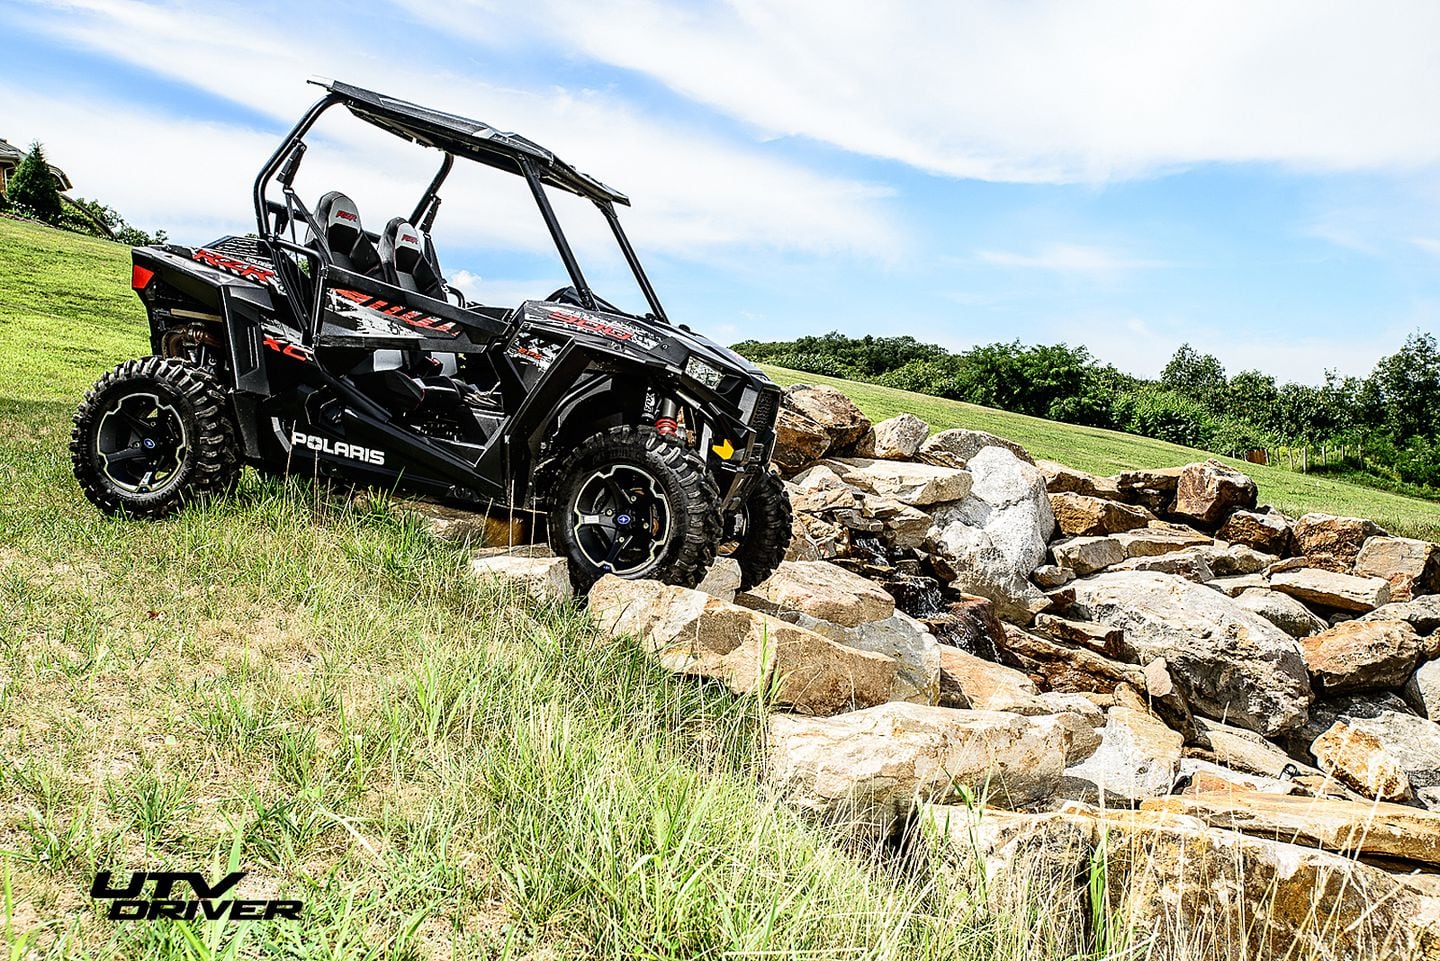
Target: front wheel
x: 151, y: 436
x: 632, y: 502
x: 765, y: 523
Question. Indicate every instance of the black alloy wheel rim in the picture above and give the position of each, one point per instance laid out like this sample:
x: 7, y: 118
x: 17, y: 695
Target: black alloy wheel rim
x: 621, y: 520
x: 140, y: 443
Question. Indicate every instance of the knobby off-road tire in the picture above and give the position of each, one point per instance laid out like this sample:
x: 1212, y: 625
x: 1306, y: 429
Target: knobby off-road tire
x: 151, y: 436
x: 767, y: 517
x: 634, y: 502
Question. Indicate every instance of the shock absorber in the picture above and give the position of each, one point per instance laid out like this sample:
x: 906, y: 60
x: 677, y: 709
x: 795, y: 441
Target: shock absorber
x: 665, y: 423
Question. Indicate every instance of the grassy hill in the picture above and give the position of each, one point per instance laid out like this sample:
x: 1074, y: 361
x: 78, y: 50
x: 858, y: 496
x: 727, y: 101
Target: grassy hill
x: 320, y: 695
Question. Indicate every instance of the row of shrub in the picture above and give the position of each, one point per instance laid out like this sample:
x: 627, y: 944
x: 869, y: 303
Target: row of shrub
x: 1388, y: 422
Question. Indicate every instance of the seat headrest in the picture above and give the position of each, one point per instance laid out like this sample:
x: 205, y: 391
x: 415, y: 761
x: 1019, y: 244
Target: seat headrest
x: 340, y: 219
x: 406, y: 240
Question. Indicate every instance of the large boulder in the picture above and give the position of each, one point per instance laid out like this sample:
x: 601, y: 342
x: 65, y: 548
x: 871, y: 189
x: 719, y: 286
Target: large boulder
x: 1362, y: 655
x: 826, y: 592
x: 1282, y: 610
x: 1341, y: 592
x: 918, y: 485
x: 1230, y: 663
x: 1411, y: 566
x: 1079, y: 515
x: 1333, y: 543
x: 895, y: 439
x: 1387, y: 830
x: 1209, y: 492
x: 691, y: 632
x: 1267, y: 531
x: 1138, y: 758
x: 955, y: 447
x: 988, y: 543
x: 832, y: 410
x: 1199, y: 892
x: 799, y: 441
x: 872, y: 767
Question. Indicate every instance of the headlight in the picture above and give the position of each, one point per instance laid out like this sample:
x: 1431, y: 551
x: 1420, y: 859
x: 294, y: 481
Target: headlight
x: 703, y: 372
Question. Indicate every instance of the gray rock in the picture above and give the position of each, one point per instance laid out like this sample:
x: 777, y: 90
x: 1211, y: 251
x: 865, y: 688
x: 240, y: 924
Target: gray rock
x: 1241, y: 750
x: 895, y: 439
x: 1230, y: 663
x: 1150, y: 541
x: 722, y: 580
x: 898, y: 636
x: 1282, y: 610
x: 1189, y: 564
x: 1138, y: 758
x: 955, y: 447
x: 1235, y: 586
x: 1422, y: 690
x: 542, y: 578
x: 1423, y: 613
x: 1088, y: 555
x: 992, y: 540
x: 918, y: 485
x: 1050, y: 576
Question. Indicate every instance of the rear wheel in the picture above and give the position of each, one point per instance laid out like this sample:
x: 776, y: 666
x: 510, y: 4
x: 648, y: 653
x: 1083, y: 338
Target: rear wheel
x: 632, y: 502
x: 151, y: 436
x: 765, y: 519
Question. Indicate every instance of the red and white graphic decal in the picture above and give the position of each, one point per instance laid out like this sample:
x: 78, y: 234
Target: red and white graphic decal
x: 413, y: 318
x: 239, y: 268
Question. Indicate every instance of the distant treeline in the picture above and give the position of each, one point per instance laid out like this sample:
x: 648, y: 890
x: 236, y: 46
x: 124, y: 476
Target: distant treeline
x: 1387, y: 423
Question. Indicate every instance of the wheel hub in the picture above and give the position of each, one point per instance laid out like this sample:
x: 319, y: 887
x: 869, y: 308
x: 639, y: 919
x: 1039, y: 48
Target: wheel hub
x: 621, y: 519
x: 140, y: 443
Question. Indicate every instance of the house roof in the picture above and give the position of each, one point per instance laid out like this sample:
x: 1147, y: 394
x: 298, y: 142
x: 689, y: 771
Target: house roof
x: 11, y: 155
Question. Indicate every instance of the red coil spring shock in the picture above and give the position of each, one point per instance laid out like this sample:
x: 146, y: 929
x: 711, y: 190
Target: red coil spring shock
x: 665, y: 423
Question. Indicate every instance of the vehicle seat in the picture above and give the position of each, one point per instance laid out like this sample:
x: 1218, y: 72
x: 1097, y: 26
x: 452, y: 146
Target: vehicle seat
x: 349, y: 246
x: 406, y: 265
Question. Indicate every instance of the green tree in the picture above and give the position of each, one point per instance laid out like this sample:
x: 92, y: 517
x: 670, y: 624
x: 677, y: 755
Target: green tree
x: 32, y: 188
x: 1201, y: 377
x: 1407, y: 384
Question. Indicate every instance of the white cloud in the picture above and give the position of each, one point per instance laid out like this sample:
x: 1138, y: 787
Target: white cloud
x: 1067, y: 259
x: 1057, y: 91
x: 693, y: 192
x: 1431, y: 245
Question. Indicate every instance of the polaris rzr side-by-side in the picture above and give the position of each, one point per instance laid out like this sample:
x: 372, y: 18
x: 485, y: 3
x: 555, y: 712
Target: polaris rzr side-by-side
x: 321, y: 348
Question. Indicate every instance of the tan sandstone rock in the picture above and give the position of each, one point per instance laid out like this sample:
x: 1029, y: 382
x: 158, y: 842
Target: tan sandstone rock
x: 871, y: 767
x: 915, y: 484
x: 825, y: 591
x: 955, y: 447
x: 1362, y: 655
x: 1209, y: 492
x: 1358, y: 758
x: 1265, y: 531
x: 1079, y: 515
x: 1411, y: 566
x: 542, y: 578
x: 1333, y: 543
x: 832, y: 410
x: 1343, y: 592
x: 690, y: 632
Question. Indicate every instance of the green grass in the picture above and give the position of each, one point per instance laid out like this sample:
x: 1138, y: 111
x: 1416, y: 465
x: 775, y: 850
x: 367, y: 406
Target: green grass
x: 316, y: 692
x: 1107, y: 452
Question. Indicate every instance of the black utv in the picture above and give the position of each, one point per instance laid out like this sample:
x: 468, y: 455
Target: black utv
x: 321, y: 348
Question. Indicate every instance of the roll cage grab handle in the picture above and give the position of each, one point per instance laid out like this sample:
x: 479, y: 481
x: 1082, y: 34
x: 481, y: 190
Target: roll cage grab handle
x: 426, y: 206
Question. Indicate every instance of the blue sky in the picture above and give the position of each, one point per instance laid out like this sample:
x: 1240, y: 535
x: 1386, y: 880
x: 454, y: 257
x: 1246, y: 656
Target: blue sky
x: 1261, y: 180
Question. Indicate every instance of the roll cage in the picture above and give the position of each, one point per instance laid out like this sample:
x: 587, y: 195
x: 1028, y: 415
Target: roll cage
x: 455, y: 136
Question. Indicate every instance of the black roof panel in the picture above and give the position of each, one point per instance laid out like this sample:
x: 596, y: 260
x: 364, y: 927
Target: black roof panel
x: 466, y: 138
